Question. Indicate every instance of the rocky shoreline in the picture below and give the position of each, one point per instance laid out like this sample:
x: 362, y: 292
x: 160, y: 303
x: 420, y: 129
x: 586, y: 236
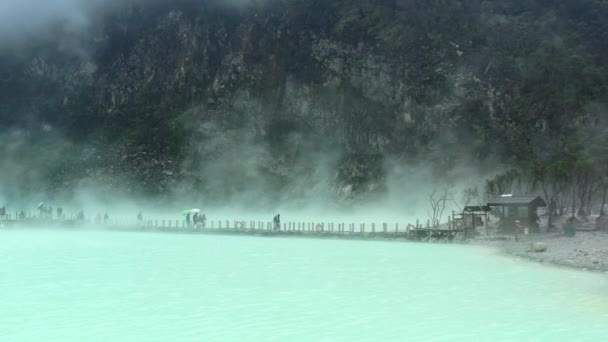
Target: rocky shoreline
x: 587, y: 250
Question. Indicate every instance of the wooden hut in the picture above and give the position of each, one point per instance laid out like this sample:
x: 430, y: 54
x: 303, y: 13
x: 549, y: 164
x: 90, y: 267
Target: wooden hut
x: 517, y: 211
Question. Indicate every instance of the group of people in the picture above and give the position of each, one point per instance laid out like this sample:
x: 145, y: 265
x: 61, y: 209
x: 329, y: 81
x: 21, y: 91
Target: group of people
x: 46, y: 212
x: 197, y: 220
x: 100, y: 220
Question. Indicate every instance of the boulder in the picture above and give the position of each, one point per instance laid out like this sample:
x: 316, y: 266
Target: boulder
x: 538, y: 247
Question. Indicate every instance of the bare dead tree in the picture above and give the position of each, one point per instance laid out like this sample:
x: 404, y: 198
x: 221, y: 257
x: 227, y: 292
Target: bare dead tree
x: 582, y: 188
x: 604, y: 194
x: 468, y: 196
x: 437, y: 200
x: 596, y: 186
x: 552, y: 191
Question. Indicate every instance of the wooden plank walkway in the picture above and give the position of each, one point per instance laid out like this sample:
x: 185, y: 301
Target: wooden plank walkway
x: 303, y: 229
x: 262, y: 228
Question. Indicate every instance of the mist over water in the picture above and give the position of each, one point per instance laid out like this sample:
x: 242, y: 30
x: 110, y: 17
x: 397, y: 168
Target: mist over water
x: 74, y: 286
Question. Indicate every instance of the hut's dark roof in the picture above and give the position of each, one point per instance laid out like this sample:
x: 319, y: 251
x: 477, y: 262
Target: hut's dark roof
x: 474, y: 208
x: 501, y: 201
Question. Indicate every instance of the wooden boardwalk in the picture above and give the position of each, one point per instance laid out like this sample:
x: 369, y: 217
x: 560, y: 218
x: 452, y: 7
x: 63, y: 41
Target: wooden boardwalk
x: 261, y: 228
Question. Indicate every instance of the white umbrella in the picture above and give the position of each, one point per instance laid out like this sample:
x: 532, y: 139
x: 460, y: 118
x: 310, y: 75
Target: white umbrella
x: 191, y: 211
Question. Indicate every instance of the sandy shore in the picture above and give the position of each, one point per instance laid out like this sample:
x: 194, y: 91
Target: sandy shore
x: 586, y: 250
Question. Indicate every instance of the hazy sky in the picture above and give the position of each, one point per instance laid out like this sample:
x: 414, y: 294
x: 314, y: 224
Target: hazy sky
x: 21, y: 18
x: 18, y: 17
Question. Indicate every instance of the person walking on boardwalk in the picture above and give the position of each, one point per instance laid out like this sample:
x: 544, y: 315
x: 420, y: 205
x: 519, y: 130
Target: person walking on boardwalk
x: 188, y: 220
x: 195, y: 220
x: 203, y: 221
x: 140, y: 217
x: 106, y: 218
x: 277, y: 222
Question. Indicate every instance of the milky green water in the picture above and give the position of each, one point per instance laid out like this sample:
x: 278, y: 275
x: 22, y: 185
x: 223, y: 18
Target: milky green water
x: 85, y: 286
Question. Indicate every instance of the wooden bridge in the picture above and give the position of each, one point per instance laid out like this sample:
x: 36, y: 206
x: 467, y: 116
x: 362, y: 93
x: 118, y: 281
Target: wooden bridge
x: 414, y: 232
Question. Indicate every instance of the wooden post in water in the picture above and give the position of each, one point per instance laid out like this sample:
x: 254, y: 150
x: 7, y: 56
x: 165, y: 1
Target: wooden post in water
x: 373, y: 227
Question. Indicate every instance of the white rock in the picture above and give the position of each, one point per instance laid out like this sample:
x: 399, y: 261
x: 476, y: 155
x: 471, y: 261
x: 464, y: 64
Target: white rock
x: 538, y: 247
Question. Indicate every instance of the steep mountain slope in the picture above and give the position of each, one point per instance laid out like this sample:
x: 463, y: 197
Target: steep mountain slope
x: 281, y: 97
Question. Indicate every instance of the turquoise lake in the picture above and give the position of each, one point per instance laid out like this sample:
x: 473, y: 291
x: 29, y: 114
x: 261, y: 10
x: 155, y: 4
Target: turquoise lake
x: 108, y: 286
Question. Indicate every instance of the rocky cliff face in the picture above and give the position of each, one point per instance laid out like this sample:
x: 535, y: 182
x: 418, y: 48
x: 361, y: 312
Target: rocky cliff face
x: 284, y: 96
